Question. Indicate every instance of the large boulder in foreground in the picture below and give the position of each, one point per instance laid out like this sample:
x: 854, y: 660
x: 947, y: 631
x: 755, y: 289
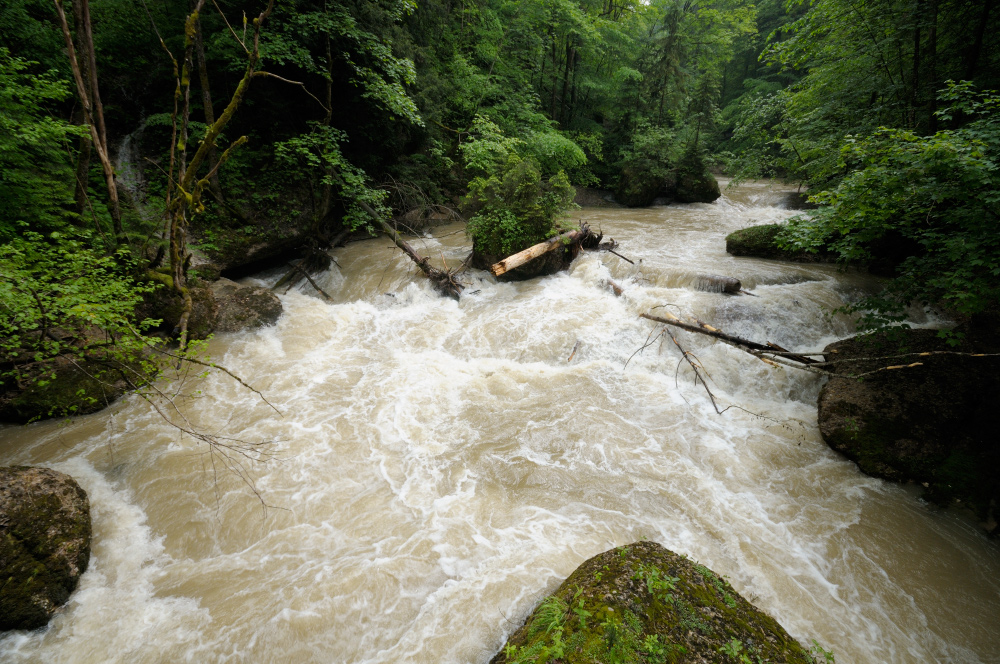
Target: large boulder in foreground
x: 934, y: 423
x: 644, y: 603
x: 44, y: 543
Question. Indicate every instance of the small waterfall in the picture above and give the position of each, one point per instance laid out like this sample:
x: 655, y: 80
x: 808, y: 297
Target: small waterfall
x: 129, y: 172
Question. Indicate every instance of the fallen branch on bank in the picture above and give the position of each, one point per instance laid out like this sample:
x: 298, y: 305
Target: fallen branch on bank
x: 774, y: 355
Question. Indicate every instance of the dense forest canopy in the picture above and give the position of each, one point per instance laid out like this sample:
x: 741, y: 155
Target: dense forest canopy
x: 137, y: 131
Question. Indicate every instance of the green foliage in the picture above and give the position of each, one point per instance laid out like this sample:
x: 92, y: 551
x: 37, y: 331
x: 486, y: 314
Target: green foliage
x: 489, y: 150
x: 657, y: 583
x: 63, y: 301
x: 373, y: 68
x: 821, y: 654
x: 936, y: 197
x: 516, y: 208
x: 554, y: 152
x: 513, y: 206
x: 319, y: 156
x: 35, y: 174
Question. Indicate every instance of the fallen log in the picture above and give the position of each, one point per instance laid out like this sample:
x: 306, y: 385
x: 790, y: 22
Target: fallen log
x: 443, y: 280
x: 752, y: 346
x: 540, y: 249
x: 712, y: 283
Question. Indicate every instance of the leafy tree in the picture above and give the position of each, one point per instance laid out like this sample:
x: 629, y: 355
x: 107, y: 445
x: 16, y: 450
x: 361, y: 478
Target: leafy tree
x: 513, y: 206
x: 35, y: 174
x: 933, y: 199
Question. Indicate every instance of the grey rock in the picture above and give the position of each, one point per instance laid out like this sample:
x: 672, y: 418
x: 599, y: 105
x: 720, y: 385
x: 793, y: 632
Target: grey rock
x: 45, y: 534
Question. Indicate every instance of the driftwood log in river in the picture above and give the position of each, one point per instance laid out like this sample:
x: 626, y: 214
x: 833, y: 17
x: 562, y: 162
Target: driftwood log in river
x: 752, y: 347
x: 540, y: 249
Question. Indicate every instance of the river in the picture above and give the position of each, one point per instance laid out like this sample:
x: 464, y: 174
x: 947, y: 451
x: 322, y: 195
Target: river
x: 440, y: 466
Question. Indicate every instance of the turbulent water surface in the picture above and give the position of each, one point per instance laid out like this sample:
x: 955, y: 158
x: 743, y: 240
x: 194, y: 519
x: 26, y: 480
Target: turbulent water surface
x: 441, y: 466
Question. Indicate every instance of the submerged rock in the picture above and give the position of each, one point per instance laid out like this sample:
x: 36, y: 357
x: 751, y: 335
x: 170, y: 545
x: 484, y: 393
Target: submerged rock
x: 933, y: 423
x: 44, y: 543
x: 644, y: 603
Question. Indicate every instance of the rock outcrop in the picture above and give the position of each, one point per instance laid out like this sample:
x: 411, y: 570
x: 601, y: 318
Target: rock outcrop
x: 759, y: 242
x: 934, y: 423
x: 59, y: 393
x: 644, y: 603
x: 244, y: 307
x: 220, y: 306
x: 644, y: 181
x: 695, y: 186
x: 639, y: 185
x: 44, y: 543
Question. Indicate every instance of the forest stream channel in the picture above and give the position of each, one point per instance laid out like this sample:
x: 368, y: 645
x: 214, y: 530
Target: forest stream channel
x: 441, y: 466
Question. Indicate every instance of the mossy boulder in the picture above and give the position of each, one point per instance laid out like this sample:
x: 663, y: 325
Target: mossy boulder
x: 244, y: 307
x: 642, y: 603
x: 44, y: 543
x: 760, y: 242
x: 639, y: 184
x: 695, y: 185
x: 76, y: 387
x: 933, y: 423
x: 643, y: 181
x: 166, y: 305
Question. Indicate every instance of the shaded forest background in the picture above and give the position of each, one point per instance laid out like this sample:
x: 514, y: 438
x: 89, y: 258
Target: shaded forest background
x: 189, y: 134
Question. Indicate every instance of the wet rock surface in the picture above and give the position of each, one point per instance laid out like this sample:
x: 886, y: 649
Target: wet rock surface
x: 933, y: 423
x: 59, y: 394
x: 644, y: 603
x: 244, y: 307
x: 45, y: 536
x: 759, y: 242
x: 549, y: 263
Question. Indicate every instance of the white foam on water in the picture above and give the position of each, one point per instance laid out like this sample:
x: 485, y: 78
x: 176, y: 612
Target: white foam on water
x: 443, y: 465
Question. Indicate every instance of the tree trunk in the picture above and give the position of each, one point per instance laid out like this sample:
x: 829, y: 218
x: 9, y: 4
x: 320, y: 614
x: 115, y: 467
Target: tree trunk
x: 93, y: 116
x: 915, y: 82
x: 932, y: 82
x: 82, y: 167
x: 534, y: 251
x: 555, y: 80
x: 972, y: 59
x: 565, y: 86
x: 206, y: 100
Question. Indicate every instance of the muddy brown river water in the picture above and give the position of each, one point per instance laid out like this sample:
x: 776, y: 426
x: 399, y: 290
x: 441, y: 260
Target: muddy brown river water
x: 441, y: 466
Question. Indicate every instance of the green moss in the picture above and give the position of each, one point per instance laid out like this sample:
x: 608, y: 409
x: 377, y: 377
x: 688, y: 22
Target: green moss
x: 71, y: 389
x: 644, y: 604
x: 760, y: 242
x: 44, y: 546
